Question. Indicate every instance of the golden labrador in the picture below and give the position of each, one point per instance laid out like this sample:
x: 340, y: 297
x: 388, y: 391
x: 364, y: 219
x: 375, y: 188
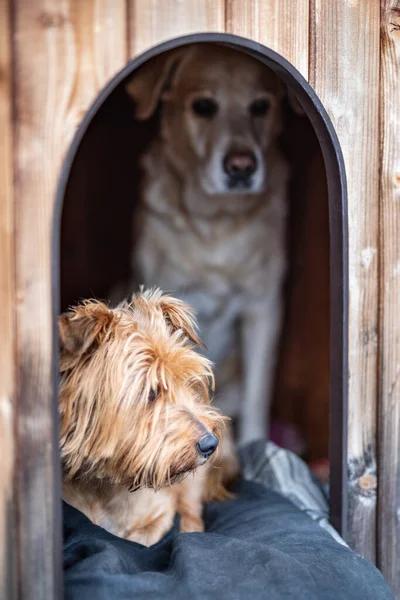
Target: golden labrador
x: 213, y: 211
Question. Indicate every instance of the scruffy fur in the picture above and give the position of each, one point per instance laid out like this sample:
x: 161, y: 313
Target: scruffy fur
x: 217, y: 245
x: 134, y: 403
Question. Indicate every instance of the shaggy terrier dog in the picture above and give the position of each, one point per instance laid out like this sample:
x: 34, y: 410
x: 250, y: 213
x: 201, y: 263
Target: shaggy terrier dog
x: 139, y: 439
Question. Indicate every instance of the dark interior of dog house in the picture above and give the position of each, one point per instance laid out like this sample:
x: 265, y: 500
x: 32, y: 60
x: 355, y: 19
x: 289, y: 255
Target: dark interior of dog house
x: 97, y: 236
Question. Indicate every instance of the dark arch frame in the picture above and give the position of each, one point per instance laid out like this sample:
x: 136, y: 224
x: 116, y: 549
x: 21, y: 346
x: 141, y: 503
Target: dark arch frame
x: 338, y: 224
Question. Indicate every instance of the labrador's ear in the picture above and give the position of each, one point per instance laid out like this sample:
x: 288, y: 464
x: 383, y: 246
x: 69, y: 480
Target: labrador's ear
x: 150, y: 81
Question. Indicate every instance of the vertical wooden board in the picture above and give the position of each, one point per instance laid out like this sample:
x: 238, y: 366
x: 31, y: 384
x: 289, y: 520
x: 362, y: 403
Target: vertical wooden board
x: 59, y: 50
x: 389, y: 381
x: 7, y: 366
x: 344, y: 70
x: 155, y: 21
x: 282, y: 25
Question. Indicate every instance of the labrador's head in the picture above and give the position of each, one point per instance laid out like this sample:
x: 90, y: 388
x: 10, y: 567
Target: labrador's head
x: 220, y: 114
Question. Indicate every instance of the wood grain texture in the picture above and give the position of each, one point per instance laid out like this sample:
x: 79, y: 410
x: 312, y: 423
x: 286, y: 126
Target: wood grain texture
x: 389, y: 359
x: 59, y: 50
x: 344, y: 70
x: 155, y: 21
x: 7, y: 303
x: 282, y: 25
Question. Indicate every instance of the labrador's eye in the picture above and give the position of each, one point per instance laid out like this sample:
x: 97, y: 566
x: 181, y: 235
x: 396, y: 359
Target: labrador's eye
x: 259, y: 108
x: 204, y: 107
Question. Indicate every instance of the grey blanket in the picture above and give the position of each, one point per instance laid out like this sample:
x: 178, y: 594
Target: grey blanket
x: 261, y: 545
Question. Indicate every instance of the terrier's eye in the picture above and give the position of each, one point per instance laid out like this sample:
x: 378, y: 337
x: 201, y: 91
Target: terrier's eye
x: 204, y: 107
x: 153, y: 395
x: 259, y: 108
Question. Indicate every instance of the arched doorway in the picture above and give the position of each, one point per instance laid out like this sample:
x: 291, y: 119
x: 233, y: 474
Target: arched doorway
x: 337, y: 201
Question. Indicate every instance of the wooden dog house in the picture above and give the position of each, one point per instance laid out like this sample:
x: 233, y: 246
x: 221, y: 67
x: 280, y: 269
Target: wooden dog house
x: 341, y: 61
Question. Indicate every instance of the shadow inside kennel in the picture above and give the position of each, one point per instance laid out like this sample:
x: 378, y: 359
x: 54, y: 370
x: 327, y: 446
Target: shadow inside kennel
x: 97, y: 238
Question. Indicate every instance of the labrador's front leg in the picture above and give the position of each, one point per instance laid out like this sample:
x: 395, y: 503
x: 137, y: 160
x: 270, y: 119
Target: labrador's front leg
x: 260, y: 336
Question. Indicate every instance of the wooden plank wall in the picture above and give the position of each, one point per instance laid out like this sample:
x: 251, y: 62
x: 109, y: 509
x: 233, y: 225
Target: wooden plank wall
x: 7, y: 365
x: 155, y: 21
x: 273, y: 23
x: 389, y: 347
x: 77, y: 46
x: 344, y: 40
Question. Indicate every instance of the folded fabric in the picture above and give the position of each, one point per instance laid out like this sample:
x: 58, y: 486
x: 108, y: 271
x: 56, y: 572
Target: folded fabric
x: 258, y: 546
x: 284, y: 472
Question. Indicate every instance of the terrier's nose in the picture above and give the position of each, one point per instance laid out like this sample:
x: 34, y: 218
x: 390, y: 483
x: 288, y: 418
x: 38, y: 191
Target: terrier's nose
x: 240, y: 165
x: 207, y: 445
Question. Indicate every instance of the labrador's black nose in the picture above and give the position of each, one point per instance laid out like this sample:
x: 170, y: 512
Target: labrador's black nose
x: 240, y: 165
x: 207, y: 445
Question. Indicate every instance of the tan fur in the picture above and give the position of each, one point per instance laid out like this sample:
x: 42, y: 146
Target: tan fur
x: 220, y: 248
x: 134, y: 403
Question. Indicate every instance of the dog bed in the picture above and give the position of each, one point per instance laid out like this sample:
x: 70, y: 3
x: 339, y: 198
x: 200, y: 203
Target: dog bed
x: 273, y: 541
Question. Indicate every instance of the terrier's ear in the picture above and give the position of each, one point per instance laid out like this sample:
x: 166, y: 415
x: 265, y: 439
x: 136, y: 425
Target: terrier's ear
x: 151, y: 80
x: 180, y: 316
x: 83, y: 326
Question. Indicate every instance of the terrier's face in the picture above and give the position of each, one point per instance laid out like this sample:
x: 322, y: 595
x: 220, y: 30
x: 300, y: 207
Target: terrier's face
x: 134, y: 403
